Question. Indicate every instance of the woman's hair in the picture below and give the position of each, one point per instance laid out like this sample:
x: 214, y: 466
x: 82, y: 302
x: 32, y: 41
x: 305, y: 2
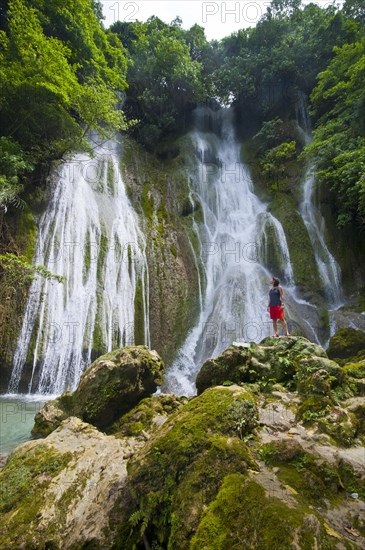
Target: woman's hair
x: 276, y: 281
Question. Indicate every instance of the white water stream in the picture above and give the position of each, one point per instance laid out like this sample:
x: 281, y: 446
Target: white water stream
x: 234, y: 246
x: 89, y: 234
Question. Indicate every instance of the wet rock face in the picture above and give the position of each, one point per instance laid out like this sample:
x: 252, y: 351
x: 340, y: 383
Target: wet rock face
x: 112, y: 386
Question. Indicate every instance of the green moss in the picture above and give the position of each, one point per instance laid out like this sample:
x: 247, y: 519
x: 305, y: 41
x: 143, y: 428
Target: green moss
x: 311, y: 483
x: 173, y: 251
x: 141, y: 417
x: 111, y: 178
x: 341, y: 425
x: 313, y: 408
x: 355, y: 370
x: 243, y: 516
x: 313, y: 478
x: 202, y: 482
x: 24, y: 480
x: 87, y: 258
x: 147, y: 202
x: 196, y: 443
x: 27, y: 232
x: 139, y: 314
x: 347, y: 343
x: 352, y: 481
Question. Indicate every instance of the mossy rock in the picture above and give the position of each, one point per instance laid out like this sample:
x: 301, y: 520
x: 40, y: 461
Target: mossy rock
x: 358, y: 409
x: 145, y: 414
x: 24, y: 480
x: 341, y: 425
x: 346, y: 343
x: 181, y: 468
x: 314, y: 479
x: 355, y: 370
x: 114, y: 384
x: 244, y: 516
x: 353, y: 480
x: 318, y: 375
x: 275, y: 359
x: 314, y: 407
x: 277, y: 452
x: 355, y: 377
x: 52, y: 414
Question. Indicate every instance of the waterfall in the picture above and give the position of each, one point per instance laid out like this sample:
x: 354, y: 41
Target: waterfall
x: 235, y: 239
x: 328, y: 268
x: 89, y: 234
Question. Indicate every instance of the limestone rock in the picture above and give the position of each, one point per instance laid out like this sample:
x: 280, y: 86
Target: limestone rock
x: 116, y: 382
x: 112, y: 386
x: 62, y: 490
x: 278, y: 359
x: 198, y: 469
x: 52, y: 414
x: 347, y: 343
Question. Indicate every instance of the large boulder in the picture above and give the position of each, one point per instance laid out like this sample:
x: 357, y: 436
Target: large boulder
x: 182, y: 466
x: 291, y: 360
x: 116, y: 382
x: 347, y: 343
x: 60, y: 492
x: 112, y: 386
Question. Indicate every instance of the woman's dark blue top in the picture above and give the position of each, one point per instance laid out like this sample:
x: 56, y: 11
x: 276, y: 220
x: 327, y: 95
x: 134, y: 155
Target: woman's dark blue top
x: 275, y: 298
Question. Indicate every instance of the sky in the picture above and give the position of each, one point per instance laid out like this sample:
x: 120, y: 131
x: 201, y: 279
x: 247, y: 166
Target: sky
x: 218, y: 18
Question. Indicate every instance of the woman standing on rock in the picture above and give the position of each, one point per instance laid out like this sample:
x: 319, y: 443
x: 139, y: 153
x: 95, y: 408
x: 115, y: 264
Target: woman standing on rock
x: 276, y: 305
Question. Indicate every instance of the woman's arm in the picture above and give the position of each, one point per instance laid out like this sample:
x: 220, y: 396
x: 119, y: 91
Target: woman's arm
x: 281, y: 296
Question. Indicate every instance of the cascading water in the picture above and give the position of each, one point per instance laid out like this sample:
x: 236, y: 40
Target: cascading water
x: 234, y: 241
x: 90, y: 235
x: 328, y: 268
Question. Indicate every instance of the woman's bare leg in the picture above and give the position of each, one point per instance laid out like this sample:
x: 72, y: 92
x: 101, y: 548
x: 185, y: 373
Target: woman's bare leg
x: 285, y: 326
x: 275, y: 323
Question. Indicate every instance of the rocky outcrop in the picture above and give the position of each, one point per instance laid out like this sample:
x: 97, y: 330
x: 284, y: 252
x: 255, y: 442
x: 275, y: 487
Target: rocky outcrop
x: 112, y: 386
x: 276, y: 462
x: 60, y: 491
x: 160, y: 190
x: 278, y: 359
x: 347, y: 345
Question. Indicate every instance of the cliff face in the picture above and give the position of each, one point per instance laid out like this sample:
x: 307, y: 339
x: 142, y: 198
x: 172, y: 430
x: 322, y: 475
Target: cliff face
x: 275, y: 455
x: 159, y: 188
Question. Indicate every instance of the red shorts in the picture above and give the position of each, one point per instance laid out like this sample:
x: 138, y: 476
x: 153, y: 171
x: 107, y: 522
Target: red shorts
x: 276, y: 312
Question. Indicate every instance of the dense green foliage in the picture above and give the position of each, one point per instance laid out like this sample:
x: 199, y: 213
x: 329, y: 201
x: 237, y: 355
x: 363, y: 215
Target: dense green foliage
x: 339, y: 140
x: 61, y: 74
x: 269, y: 65
x: 165, y: 77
